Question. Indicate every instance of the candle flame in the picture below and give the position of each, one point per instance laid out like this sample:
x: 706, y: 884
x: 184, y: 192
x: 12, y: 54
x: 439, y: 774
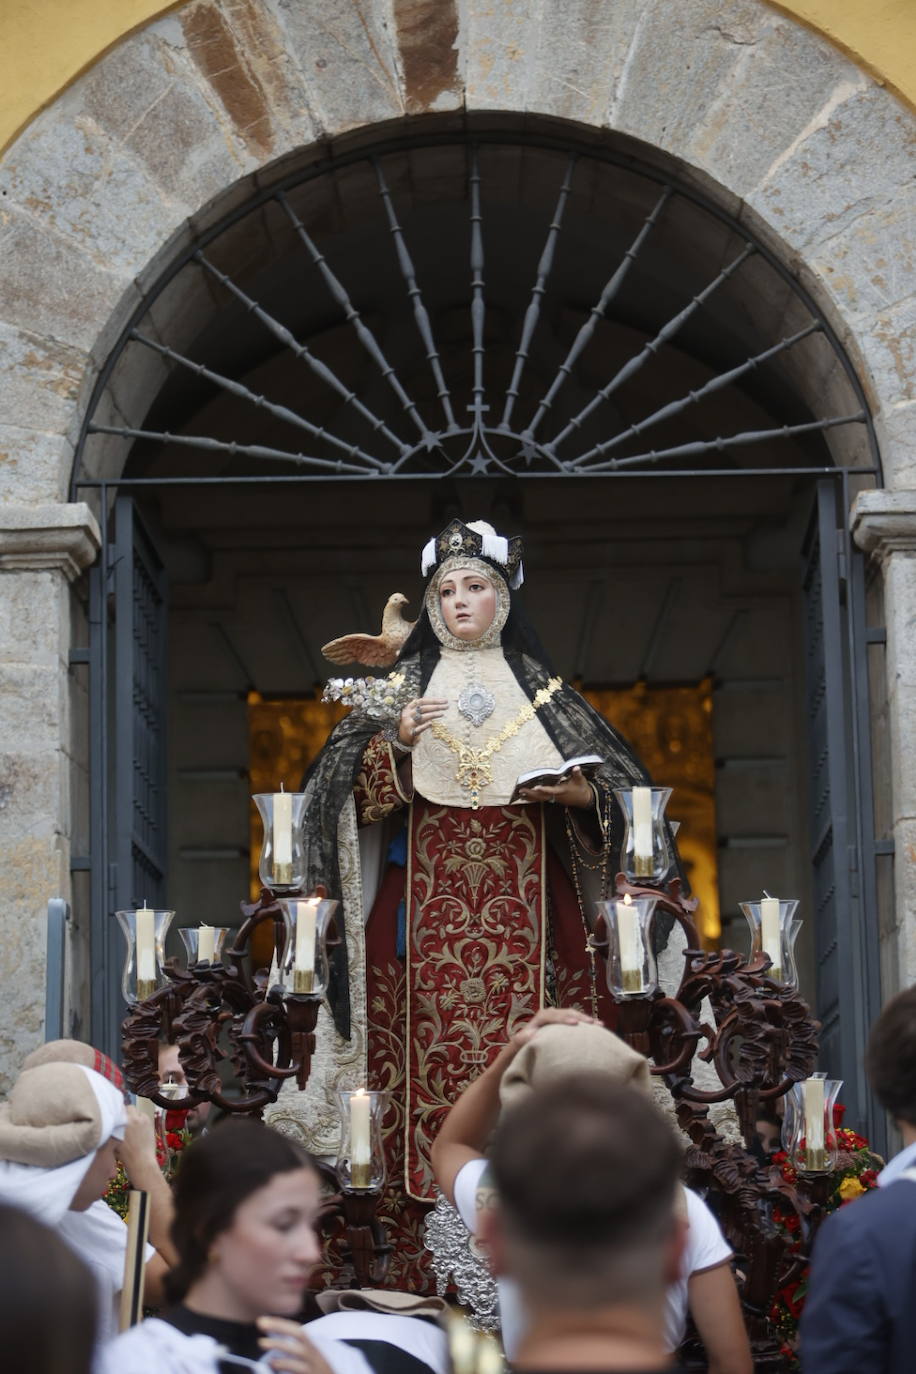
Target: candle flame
x: 627, y: 900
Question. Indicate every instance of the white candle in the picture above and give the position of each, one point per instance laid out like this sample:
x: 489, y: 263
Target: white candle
x: 771, y: 935
x: 360, y: 1140
x: 145, y: 927
x: 630, y: 947
x: 283, y: 828
x: 642, y: 831
x: 815, y: 1157
x: 206, y: 944
x: 304, y: 955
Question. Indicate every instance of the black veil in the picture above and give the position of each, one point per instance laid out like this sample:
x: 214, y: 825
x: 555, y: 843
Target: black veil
x: 572, y: 724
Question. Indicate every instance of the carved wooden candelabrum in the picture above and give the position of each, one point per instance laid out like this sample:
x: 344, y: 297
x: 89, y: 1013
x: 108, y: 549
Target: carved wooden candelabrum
x: 760, y: 1039
x: 242, y: 1031
x: 262, y: 1022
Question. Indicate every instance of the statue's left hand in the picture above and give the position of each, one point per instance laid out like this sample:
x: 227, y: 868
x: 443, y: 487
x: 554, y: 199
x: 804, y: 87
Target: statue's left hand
x: 573, y: 791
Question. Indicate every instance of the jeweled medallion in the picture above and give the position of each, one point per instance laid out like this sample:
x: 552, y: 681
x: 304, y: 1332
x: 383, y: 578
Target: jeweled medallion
x: 476, y: 703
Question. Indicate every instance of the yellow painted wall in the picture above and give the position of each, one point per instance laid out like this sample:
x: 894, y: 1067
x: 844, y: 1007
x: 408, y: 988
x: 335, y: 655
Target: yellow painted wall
x: 878, y: 34
x: 45, y: 44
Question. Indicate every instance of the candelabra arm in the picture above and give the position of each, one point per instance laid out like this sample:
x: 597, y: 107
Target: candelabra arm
x: 368, y: 1249
x: 302, y: 1015
x: 250, y: 1036
x: 688, y: 1034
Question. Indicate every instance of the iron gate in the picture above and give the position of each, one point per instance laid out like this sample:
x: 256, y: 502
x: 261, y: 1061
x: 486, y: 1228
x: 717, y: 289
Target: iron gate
x: 479, y: 421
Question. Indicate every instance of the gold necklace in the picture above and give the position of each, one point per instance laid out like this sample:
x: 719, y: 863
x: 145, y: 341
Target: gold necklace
x: 474, y: 769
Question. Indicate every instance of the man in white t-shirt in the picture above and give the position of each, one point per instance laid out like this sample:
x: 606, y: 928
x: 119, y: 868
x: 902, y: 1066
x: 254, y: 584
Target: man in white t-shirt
x: 585, y: 1223
x: 555, y: 1044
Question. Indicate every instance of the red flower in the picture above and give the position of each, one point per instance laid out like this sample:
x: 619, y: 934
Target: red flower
x: 174, y: 1141
x: 176, y: 1121
x: 869, y: 1178
x: 839, y: 1111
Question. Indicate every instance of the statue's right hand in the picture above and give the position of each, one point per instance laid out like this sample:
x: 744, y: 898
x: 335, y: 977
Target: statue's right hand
x: 417, y: 716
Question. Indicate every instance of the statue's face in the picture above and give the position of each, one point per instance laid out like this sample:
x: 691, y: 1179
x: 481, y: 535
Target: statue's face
x: 468, y: 602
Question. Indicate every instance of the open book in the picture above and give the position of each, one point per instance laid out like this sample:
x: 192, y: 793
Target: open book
x: 550, y: 777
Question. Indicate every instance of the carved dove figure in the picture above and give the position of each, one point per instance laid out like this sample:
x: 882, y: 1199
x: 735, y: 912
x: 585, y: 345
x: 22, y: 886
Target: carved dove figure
x: 375, y: 651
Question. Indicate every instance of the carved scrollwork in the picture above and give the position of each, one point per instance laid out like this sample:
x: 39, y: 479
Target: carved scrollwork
x: 762, y: 1040
x: 223, y: 1013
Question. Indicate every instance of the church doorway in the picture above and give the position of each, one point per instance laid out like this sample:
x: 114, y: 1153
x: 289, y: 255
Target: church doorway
x: 541, y: 327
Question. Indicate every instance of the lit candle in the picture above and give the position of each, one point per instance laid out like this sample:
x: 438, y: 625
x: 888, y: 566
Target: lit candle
x: 206, y: 944
x: 630, y: 946
x: 360, y: 1140
x: 304, y: 955
x: 815, y: 1154
x: 283, y: 837
x: 145, y: 927
x: 642, y: 832
x: 771, y: 935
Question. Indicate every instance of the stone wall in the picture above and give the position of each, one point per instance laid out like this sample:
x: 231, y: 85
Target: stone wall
x: 178, y: 121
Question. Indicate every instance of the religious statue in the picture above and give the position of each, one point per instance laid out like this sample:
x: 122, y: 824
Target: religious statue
x: 476, y: 896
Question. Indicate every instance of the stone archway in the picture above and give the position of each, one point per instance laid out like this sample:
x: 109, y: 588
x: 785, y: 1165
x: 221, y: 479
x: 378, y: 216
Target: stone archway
x: 107, y: 183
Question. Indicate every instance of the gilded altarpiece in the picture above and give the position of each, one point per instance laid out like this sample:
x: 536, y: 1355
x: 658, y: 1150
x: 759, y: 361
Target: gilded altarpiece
x: 670, y: 729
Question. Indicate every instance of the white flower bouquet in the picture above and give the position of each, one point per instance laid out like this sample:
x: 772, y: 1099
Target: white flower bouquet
x: 380, y: 698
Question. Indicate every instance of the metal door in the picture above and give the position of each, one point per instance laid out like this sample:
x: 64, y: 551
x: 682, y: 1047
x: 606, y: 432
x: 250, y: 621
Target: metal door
x: 840, y: 809
x: 128, y: 611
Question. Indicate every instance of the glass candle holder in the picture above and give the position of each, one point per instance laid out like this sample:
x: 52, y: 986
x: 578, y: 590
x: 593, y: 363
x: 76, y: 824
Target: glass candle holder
x: 631, y: 967
x: 809, y: 1134
x: 303, y: 969
x: 774, y: 931
x: 170, y: 1086
x: 204, y: 944
x: 144, y: 934
x: 361, y: 1158
x: 282, y: 866
x: 645, y: 856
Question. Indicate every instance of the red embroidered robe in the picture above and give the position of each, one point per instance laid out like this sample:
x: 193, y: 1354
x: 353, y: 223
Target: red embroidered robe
x: 488, y: 907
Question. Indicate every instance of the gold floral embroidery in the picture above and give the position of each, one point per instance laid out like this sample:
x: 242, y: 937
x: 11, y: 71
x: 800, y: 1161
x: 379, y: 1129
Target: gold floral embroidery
x: 475, y: 956
x: 377, y: 790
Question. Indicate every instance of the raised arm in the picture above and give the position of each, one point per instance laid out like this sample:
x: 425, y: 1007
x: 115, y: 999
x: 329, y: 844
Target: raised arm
x: 712, y: 1297
x: 137, y: 1152
x: 466, y: 1129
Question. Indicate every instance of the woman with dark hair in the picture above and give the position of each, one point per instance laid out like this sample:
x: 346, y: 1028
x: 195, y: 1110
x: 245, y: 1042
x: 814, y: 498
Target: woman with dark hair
x: 246, y: 1200
x: 48, y: 1300
x: 482, y: 915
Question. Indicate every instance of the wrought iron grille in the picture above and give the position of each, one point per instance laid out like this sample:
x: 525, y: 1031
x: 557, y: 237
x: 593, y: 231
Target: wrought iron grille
x: 472, y: 304
x: 472, y: 378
